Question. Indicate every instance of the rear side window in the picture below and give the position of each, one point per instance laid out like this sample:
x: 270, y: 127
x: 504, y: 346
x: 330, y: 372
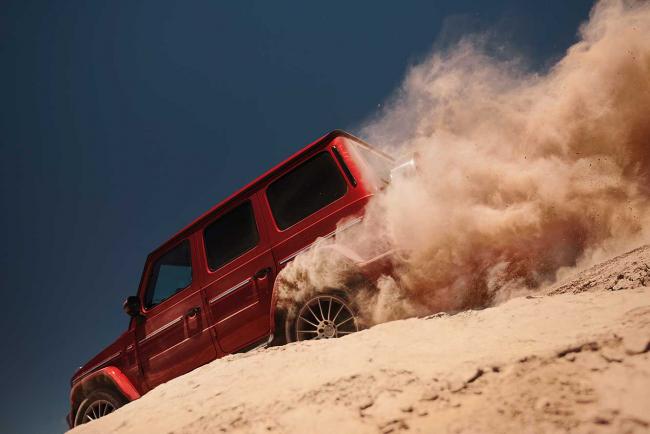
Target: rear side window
x: 309, y: 187
x: 230, y: 235
x: 171, y: 273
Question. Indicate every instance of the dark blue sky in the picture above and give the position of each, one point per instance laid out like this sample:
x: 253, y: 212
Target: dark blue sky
x: 122, y: 121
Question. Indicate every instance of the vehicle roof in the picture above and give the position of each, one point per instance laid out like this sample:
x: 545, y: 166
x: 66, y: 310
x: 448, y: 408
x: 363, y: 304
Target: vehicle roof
x: 319, y: 143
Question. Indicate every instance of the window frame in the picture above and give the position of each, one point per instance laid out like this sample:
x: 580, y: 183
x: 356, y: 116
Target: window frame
x: 293, y: 167
x: 149, y: 271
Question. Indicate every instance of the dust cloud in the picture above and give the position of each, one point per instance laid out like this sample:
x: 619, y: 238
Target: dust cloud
x: 522, y: 176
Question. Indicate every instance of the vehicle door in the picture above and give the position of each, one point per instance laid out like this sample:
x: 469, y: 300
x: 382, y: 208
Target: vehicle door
x: 307, y: 202
x: 171, y: 335
x: 240, y: 271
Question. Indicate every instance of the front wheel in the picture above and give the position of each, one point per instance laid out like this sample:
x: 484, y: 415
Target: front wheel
x: 98, y: 404
x: 324, y: 316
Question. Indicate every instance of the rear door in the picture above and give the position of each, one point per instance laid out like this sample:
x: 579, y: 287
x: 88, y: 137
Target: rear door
x: 240, y: 271
x: 307, y: 201
x: 171, y: 337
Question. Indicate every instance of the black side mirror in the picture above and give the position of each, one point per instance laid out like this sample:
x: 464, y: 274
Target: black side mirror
x: 132, y: 306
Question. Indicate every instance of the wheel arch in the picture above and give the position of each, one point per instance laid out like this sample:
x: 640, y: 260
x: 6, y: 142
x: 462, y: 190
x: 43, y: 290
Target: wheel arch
x: 110, y: 378
x: 278, y: 314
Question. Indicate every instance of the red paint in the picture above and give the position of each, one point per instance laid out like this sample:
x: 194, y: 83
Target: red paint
x: 228, y: 309
x: 118, y: 378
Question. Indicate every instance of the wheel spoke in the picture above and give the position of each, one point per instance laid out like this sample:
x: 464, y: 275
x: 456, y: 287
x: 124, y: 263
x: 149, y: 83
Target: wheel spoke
x: 337, y: 314
x: 312, y: 312
x: 343, y: 322
x: 346, y: 333
x: 307, y: 331
x: 307, y: 321
x: 329, y: 308
x: 320, y: 307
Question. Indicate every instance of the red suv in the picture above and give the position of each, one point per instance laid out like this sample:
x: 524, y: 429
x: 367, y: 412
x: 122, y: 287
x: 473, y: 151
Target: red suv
x: 210, y: 290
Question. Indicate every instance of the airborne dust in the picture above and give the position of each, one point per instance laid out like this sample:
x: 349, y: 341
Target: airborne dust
x: 523, y: 177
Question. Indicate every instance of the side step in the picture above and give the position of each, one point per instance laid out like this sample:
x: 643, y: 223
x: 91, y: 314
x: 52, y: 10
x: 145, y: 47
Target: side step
x: 256, y: 345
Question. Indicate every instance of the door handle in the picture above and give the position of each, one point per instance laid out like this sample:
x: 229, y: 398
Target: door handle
x: 261, y: 274
x: 193, y: 312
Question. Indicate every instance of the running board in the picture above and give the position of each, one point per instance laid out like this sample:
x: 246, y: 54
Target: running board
x: 256, y: 345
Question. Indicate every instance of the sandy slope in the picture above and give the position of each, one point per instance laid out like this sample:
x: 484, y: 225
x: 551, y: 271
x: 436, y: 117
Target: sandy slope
x: 576, y: 361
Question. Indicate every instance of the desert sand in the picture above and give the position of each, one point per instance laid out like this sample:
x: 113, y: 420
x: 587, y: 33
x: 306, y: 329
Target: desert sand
x: 571, y: 358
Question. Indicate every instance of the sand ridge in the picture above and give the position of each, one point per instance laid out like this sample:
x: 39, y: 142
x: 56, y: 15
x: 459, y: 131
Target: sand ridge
x: 573, y: 359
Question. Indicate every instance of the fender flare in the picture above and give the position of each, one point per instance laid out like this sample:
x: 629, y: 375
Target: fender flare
x: 109, y: 376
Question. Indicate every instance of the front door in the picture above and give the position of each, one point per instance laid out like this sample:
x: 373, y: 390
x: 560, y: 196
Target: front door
x: 172, y: 338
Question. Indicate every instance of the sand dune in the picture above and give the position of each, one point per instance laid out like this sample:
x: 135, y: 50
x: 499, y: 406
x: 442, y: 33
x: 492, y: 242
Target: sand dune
x: 571, y: 359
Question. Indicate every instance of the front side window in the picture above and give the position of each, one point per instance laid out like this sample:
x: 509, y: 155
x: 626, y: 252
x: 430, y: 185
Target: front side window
x: 309, y: 187
x: 171, y: 273
x: 231, y: 235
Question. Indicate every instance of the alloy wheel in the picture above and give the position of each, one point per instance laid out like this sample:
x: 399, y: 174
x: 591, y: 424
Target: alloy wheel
x: 325, y: 317
x: 98, y: 409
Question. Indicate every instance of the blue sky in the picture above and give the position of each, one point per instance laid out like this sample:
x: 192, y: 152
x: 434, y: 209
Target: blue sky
x: 122, y: 121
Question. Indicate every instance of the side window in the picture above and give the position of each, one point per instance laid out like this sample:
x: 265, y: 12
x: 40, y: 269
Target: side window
x: 171, y: 273
x: 230, y: 235
x: 309, y: 187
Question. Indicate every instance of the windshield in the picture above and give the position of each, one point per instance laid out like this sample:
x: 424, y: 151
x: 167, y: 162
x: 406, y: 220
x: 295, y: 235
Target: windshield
x: 374, y: 161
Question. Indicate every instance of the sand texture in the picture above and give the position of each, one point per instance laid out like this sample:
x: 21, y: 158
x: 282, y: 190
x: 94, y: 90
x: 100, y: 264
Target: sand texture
x: 573, y: 358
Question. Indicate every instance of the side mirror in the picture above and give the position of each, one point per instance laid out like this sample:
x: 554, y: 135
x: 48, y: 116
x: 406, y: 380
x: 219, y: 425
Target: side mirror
x: 132, y: 306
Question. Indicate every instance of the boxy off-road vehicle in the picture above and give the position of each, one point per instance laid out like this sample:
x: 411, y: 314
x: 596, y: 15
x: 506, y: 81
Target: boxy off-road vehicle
x: 210, y: 290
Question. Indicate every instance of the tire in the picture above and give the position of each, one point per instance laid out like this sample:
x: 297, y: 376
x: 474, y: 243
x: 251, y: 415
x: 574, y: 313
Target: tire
x: 99, y: 403
x: 323, y: 316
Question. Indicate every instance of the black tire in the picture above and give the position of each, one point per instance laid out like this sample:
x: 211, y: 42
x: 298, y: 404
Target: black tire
x: 98, y: 404
x: 337, y: 298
